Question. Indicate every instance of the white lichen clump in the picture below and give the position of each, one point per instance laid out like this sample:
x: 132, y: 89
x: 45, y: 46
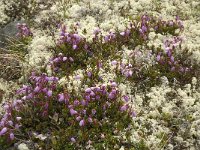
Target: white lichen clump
x: 38, y: 49
x: 3, y: 16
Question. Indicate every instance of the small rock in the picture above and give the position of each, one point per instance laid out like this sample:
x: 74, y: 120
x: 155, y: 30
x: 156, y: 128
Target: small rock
x: 10, y: 30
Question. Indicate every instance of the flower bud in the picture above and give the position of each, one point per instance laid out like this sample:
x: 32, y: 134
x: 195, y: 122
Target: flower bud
x: 61, y: 97
x: 73, y: 140
x: 90, y: 120
x: 18, y: 118
x: 12, y: 136
x: 122, y: 33
x: 124, y: 108
x: 64, y: 58
x: 94, y: 111
x: 78, y: 118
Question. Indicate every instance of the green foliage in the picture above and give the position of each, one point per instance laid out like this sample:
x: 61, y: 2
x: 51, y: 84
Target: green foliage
x: 4, y: 144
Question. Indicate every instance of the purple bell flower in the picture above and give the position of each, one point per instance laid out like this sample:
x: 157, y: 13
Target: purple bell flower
x: 113, y: 84
x: 37, y: 89
x: 76, y: 102
x: 10, y: 123
x: 49, y: 93
x: 90, y: 120
x: 133, y: 114
x: 88, y: 90
x: 172, y: 59
x: 89, y: 74
x: 73, y: 112
x: 73, y: 140
x: 124, y: 108
x: 144, y: 28
x: 122, y: 33
x: 87, y: 97
x: 158, y: 57
x: 82, y: 123
x: 126, y: 98
x: 61, y: 97
x: 3, y: 131
x: 111, y: 96
x: 78, y: 118
x: 64, y: 58
x: 114, y: 62
x: 75, y: 47
x: 12, y: 137
x: 94, y: 111
x: 83, y: 102
x: 106, y: 38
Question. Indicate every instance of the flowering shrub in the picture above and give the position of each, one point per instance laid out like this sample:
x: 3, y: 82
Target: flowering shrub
x: 173, y: 65
x: 99, y: 116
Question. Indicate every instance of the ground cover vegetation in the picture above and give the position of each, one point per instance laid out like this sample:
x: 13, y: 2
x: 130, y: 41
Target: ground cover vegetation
x: 88, y: 84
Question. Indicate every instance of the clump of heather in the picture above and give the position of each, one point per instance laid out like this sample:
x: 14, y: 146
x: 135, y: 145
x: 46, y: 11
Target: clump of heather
x: 72, y: 44
x: 62, y: 65
x: 98, y: 118
x: 168, y: 61
x: 168, y: 27
x: 173, y: 62
x: 173, y: 65
x: 101, y: 117
x: 18, y: 109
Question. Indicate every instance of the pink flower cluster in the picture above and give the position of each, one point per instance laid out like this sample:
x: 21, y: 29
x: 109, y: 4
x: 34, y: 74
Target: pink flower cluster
x: 103, y: 95
x: 9, y: 123
x: 24, y: 30
x: 73, y: 39
x: 93, y: 108
x: 125, y: 69
x: 41, y: 85
x: 163, y: 26
x: 169, y: 56
x: 60, y: 61
x: 144, y: 26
